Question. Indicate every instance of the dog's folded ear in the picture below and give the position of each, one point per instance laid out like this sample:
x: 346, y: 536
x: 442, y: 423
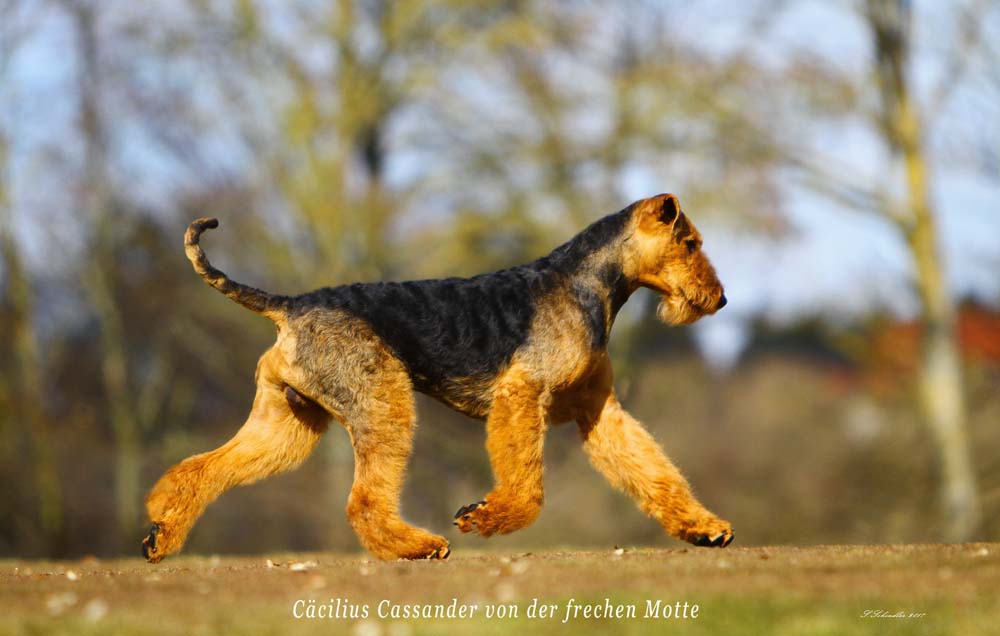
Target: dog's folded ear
x: 670, y: 209
x: 655, y: 212
x: 671, y: 215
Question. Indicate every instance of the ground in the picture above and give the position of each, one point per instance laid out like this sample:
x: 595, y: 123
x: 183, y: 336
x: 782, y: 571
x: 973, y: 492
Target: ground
x: 836, y: 590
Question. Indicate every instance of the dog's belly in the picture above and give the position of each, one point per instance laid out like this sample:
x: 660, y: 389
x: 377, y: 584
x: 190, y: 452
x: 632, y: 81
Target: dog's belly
x: 468, y: 396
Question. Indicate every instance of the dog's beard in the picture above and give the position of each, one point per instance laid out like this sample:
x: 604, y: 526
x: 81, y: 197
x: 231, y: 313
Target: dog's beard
x: 676, y: 310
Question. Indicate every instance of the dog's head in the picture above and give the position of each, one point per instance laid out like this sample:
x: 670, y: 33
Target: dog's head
x: 667, y: 258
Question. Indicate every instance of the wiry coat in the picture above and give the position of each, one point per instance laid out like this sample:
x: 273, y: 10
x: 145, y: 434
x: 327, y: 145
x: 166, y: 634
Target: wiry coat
x: 521, y: 348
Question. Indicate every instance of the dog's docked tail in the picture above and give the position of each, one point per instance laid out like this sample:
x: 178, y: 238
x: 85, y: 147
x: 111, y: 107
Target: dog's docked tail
x: 262, y: 302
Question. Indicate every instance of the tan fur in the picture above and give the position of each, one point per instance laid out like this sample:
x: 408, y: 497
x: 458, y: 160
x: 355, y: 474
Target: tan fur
x: 515, y: 430
x: 628, y: 456
x: 328, y: 364
x: 686, y: 281
x: 381, y: 450
x: 377, y: 410
x: 275, y: 438
x: 576, y: 384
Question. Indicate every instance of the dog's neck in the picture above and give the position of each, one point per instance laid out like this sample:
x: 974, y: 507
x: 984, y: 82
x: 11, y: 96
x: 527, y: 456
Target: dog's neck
x: 593, y: 263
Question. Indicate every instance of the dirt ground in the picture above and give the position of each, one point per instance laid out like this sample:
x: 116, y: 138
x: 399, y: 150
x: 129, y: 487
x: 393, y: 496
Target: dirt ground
x: 837, y: 590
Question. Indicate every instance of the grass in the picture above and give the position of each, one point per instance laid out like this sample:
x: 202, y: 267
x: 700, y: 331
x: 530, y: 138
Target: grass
x: 950, y: 589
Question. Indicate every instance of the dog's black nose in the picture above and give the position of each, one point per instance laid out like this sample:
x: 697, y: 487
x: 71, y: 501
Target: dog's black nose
x: 722, y: 302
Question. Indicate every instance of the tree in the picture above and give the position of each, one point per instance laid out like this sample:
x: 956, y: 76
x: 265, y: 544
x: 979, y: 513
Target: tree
x: 106, y: 225
x: 905, y: 202
x: 25, y: 418
x: 941, y: 384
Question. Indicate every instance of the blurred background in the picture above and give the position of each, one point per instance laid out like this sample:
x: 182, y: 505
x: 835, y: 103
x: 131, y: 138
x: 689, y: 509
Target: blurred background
x: 842, y: 160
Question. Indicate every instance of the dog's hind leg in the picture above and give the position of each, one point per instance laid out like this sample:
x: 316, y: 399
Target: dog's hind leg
x: 628, y: 456
x: 281, y: 431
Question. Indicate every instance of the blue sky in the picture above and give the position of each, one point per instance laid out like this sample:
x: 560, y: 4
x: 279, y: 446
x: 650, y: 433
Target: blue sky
x: 846, y: 263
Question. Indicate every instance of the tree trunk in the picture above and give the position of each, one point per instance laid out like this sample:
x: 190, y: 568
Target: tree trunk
x: 941, y: 383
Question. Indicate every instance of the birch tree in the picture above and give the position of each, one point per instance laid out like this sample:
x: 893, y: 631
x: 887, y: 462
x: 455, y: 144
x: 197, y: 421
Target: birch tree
x: 941, y: 382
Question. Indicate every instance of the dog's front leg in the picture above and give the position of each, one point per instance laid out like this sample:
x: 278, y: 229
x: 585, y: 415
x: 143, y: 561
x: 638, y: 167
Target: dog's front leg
x: 515, y: 431
x: 628, y: 456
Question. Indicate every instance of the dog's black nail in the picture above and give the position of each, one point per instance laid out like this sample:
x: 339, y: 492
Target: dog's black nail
x: 465, y: 510
x: 149, y: 543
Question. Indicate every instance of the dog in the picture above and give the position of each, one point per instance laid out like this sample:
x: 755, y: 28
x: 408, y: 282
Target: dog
x: 521, y: 349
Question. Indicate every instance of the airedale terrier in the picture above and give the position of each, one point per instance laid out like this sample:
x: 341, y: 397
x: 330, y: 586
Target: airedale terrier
x: 521, y: 348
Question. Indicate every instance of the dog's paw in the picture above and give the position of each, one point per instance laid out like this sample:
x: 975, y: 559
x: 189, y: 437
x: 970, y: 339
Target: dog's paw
x: 149, y: 547
x: 719, y: 541
x: 499, y: 514
x: 424, y: 546
x: 160, y: 542
x: 710, y: 533
x: 468, y: 518
x: 441, y: 552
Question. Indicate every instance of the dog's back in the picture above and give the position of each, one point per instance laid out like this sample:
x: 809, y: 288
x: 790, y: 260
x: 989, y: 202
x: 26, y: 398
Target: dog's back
x: 446, y: 331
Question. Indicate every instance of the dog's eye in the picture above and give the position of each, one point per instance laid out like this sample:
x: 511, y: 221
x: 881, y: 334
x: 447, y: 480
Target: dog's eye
x: 692, y: 246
